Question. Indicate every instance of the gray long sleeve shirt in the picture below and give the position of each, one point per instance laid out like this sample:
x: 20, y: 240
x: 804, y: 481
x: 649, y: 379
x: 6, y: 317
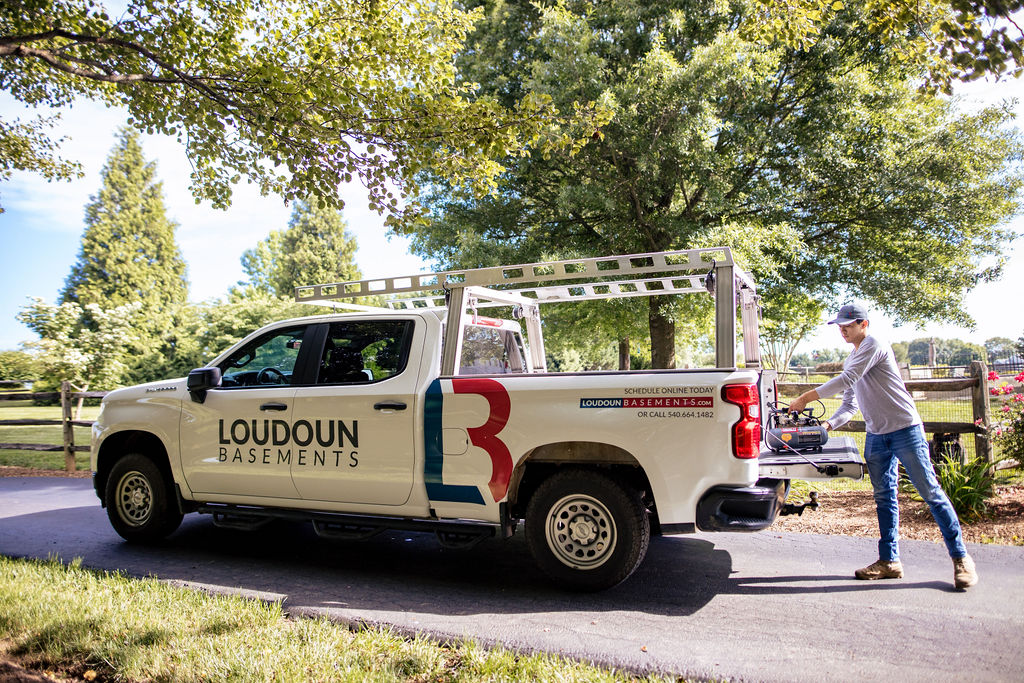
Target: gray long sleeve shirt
x: 871, y: 379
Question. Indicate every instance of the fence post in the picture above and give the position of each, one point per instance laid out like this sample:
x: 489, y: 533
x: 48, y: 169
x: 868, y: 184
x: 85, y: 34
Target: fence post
x: 979, y: 399
x: 69, y: 429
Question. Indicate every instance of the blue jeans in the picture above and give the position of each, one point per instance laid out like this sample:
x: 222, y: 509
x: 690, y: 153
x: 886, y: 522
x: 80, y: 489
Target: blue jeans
x: 908, y: 446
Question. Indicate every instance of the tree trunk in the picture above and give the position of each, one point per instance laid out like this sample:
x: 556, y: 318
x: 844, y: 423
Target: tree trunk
x: 624, y: 353
x: 663, y: 333
x: 81, y: 400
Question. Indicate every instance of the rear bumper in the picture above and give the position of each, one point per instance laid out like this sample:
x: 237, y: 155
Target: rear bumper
x: 749, y: 508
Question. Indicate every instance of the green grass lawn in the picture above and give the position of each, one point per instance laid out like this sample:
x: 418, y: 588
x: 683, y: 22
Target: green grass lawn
x: 24, y: 410
x: 71, y: 620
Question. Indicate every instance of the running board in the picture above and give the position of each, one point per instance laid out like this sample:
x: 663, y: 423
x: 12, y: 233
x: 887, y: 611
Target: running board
x: 352, y: 527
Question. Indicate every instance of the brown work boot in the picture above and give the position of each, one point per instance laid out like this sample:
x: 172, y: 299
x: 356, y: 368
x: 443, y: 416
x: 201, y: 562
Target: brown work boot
x: 880, y: 570
x: 964, y: 574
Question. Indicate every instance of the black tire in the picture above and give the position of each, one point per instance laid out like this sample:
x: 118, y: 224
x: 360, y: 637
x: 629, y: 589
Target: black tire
x: 139, y: 500
x: 586, y: 531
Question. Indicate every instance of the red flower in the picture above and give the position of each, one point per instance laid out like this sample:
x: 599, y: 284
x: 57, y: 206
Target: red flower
x: 1018, y: 398
x: 994, y: 391
x: 1020, y: 378
x: 993, y: 376
x: 1007, y: 389
x: 1006, y: 408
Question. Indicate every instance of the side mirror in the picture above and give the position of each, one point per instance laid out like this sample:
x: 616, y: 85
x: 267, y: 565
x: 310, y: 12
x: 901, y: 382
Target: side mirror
x: 201, y: 380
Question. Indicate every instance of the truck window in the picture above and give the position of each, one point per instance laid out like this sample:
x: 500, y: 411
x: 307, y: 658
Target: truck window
x: 489, y: 351
x: 266, y: 361
x: 365, y: 351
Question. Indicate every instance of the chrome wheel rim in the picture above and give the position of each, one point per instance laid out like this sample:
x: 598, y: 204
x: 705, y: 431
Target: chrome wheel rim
x: 134, y: 499
x: 581, y: 532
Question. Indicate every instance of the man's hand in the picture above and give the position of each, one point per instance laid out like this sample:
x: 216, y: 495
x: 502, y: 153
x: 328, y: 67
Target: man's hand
x: 798, y: 404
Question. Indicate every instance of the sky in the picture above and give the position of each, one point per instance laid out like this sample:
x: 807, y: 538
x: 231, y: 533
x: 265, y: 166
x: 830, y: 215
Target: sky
x: 41, y: 229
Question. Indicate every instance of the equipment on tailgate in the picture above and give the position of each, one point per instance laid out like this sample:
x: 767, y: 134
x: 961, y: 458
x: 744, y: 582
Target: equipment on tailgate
x: 788, y: 430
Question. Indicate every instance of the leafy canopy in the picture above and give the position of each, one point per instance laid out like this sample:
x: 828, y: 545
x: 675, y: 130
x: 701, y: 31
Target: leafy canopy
x: 296, y: 96
x: 825, y: 167
x: 949, y: 40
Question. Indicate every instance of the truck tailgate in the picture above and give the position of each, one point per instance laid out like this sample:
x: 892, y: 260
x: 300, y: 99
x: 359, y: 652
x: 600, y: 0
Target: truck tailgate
x: 839, y: 457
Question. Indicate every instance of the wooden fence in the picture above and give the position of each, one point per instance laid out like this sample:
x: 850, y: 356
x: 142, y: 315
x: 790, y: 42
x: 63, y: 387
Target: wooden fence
x: 66, y: 397
x: 976, y: 381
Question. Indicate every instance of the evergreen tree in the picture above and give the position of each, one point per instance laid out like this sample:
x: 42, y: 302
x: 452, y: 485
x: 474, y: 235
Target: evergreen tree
x: 315, y: 248
x: 129, y: 254
x: 129, y: 257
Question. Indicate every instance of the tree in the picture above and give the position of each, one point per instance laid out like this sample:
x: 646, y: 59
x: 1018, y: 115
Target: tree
x: 951, y: 39
x: 787, y: 320
x: 85, y: 345
x: 824, y: 167
x: 296, y: 96
x: 129, y: 253
x: 315, y: 248
x: 129, y: 256
x: 947, y: 351
x: 999, y: 348
x: 17, y: 365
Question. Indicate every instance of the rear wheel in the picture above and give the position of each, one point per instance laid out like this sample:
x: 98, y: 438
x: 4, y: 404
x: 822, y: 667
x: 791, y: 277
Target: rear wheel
x: 139, y: 501
x: 587, y: 531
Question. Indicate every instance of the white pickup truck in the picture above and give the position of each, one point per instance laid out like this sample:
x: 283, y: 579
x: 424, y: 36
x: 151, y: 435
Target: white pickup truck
x: 428, y: 416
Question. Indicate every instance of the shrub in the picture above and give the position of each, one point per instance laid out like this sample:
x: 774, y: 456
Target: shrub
x: 969, y: 485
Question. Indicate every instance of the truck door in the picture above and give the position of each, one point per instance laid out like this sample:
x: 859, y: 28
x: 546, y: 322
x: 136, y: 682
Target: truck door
x: 354, y: 430
x: 236, y: 443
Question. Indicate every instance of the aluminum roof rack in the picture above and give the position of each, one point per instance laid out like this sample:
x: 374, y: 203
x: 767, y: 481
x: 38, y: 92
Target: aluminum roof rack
x: 711, y: 269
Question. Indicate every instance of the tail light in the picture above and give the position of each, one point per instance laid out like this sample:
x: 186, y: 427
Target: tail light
x: 746, y: 433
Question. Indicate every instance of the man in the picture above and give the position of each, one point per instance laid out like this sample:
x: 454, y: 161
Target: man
x: 895, y: 434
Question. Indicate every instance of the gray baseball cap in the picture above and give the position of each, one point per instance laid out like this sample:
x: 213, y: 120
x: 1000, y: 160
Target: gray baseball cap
x: 848, y: 314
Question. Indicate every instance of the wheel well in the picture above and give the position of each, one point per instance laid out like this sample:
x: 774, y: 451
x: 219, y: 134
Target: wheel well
x: 548, y: 460
x: 143, y: 443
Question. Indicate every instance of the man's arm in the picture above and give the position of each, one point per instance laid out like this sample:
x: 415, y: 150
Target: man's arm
x: 800, y: 402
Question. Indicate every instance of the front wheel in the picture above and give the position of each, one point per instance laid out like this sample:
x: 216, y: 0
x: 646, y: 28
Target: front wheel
x: 587, y: 531
x: 139, y: 502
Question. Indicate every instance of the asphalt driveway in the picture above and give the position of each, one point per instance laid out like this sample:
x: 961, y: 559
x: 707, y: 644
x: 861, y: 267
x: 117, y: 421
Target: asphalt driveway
x: 766, y: 606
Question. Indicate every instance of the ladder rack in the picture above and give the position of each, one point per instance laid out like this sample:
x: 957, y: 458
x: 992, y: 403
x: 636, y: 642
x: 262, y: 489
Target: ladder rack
x: 608, y: 277
x: 629, y: 266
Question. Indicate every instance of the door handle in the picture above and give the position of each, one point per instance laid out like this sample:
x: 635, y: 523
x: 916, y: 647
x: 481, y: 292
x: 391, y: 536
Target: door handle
x: 274, y: 406
x: 389, y: 405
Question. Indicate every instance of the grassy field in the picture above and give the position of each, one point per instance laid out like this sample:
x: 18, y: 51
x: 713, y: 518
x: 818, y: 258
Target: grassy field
x: 72, y: 621
x: 24, y: 410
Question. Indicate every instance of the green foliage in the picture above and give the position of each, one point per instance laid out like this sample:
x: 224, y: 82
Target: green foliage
x: 129, y: 254
x: 824, y: 167
x: 26, y: 147
x: 1000, y: 348
x: 17, y: 365
x: 297, y: 96
x: 129, y: 257
x: 951, y: 39
x: 947, y: 351
x: 969, y: 485
x: 786, y: 320
x: 316, y: 248
x: 85, y: 345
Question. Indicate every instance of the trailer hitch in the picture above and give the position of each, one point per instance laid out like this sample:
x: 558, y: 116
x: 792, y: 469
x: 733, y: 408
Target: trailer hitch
x: 798, y: 508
